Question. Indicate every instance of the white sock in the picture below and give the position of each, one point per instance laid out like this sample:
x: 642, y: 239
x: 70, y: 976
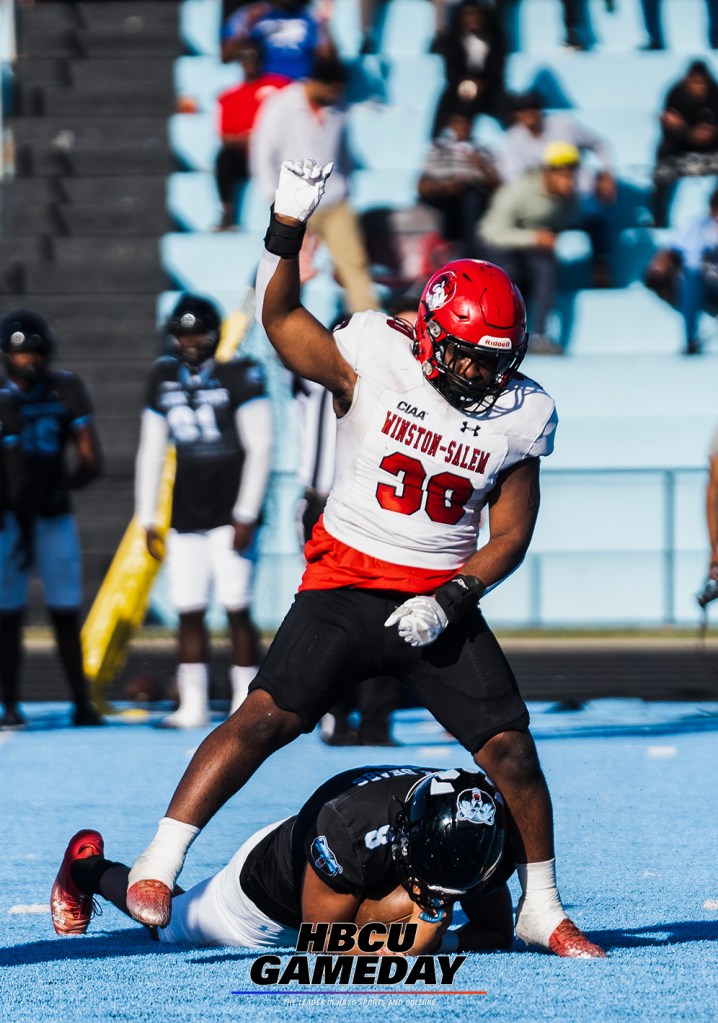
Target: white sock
x: 540, y: 910
x: 193, y: 686
x: 240, y: 677
x: 163, y: 858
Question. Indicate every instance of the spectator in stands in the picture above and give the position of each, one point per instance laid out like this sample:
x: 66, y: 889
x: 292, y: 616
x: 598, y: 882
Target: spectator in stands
x: 654, y: 24
x: 305, y: 117
x: 238, y: 108
x: 457, y: 179
x: 686, y: 274
x: 218, y: 417
x: 54, y: 413
x: 521, y: 227
x: 689, y: 142
x: 290, y: 36
x: 474, y: 55
x: 530, y: 132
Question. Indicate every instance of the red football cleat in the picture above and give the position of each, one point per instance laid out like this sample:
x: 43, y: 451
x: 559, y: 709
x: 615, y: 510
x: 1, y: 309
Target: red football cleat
x: 568, y: 941
x: 71, y: 909
x: 150, y: 903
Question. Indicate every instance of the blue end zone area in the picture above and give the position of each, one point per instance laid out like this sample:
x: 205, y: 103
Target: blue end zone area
x: 633, y: 786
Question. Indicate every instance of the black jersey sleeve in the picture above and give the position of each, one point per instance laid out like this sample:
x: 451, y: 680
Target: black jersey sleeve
x: 77, y: 396
x: 332, y: 853
x: 162, y: 370
x: 245, y: 380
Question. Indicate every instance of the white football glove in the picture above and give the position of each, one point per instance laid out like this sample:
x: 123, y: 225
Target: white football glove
x: 420, y: 620
x: 301, y: 186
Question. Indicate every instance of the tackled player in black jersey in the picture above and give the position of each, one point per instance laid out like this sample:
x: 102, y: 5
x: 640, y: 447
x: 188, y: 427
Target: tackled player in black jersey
x: 410, y: 841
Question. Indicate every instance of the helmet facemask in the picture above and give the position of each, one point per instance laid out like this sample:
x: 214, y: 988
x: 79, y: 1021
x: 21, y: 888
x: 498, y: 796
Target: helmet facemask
x: 469, y: 394
x: 430, y: 897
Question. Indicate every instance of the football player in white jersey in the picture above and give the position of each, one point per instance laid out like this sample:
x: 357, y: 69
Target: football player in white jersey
x: 434, y: 424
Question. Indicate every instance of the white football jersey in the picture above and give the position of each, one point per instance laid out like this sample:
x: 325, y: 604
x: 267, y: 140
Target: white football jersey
x: 412, y: 472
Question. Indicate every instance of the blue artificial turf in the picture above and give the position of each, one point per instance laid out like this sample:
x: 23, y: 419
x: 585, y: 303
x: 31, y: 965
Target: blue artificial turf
x: 634, y: 788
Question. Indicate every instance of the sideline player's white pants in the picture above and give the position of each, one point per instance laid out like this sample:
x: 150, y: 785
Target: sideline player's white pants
x: 196, y: 561
x: 218, y: 912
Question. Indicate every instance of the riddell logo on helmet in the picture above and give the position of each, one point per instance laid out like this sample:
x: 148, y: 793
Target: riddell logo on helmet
x: 489, y: 341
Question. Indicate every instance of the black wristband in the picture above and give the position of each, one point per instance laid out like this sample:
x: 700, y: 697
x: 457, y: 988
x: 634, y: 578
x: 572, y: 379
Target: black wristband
x: 283, y: 240
x: 459, y: 596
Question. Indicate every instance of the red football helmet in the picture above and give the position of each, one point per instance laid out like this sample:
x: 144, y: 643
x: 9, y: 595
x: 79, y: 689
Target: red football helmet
x: 470, y: 308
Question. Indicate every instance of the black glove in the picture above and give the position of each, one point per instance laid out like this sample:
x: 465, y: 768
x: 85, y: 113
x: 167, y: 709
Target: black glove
x: 459, y: 596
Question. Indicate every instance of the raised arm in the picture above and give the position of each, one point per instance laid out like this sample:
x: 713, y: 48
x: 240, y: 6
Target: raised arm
x: 304, y: 344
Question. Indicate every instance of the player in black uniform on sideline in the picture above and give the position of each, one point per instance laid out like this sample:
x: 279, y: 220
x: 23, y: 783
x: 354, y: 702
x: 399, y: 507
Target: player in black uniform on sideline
x: 427, y: 838
x: 55, y: 414
x: 218, y: 417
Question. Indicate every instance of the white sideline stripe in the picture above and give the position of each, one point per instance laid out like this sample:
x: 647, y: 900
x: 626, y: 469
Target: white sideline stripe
x: 661, y: 752
x: 35, y: 909
x: 710, y: 904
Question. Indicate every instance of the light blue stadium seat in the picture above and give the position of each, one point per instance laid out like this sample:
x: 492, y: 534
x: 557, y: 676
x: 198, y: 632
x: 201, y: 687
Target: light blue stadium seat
x: 345, y: 28
x: 203, y: 79
x: 194, y: 140
x: 624, y: 321
x: 192, y: 200
x: 621, y: 29
x: 381, y: 187
x: 408, y: 27
x: 323, y: 297
x: 209, y: 262
x: 489, y: 132
x: 539, y: 26
x: 690, y: 200
x: 200, y: 25
x: 387, y: 137
x: 415, y: 81
x: 602, y: 79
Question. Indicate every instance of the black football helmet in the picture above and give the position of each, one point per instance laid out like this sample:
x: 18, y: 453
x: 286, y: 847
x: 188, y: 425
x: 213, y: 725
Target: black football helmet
x: 449, y: 836
x: 193, y: 316
x: 22, y: 331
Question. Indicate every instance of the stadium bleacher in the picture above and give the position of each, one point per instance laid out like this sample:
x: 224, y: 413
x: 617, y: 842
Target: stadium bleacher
x: 630, y: 404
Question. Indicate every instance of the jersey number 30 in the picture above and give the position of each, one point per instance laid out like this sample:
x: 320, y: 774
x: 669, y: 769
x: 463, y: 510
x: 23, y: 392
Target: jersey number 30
x: 444, y: 496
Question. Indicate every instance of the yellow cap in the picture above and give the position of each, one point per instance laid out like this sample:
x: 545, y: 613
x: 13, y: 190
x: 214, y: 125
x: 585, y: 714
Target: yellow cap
x: 561, y: 154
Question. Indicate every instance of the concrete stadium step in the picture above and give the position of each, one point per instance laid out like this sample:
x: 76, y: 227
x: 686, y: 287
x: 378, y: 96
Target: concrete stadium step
x: 88, y: 74
x: 77, y: 265
x: 107, y: 100
x: 70, y: 190
x: 65, y: 132
x: 121, y: 216
x: 141, y: 155
x: 95, y: 314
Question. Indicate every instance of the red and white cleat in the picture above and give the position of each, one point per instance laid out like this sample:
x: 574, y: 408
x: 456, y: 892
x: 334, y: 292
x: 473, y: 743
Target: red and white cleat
x: 71, y: 909
x: 150, y: 903
x: 571, y: 943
